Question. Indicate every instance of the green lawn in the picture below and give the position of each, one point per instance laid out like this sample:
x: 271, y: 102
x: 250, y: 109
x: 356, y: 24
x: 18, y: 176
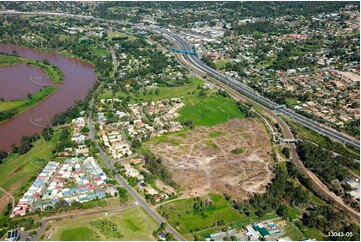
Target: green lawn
x: 131, y: 224
x: 209, y: 110
x: 7, y: 105
x: 192, y: 221
x: 100, y: 52
x: 164, y: 92
x: 290, y: 102
x: 313, y: 233
x: 79, y: 234
x: 293, y: 232
x: 120, y: 35
x: 221, y: 64
x: 293, y: 213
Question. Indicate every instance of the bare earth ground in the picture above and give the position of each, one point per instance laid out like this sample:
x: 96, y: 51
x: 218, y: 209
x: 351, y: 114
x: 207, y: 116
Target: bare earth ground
x: 202, y: 161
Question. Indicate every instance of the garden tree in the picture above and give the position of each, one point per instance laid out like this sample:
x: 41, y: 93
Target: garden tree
x: 47, y: 133
x: 169, y: 236
x: 85, y: 130
x: 163, y: 226
x: 136, y: 143
x: 260, y: 213
x: 123, y: 194
x: 282, y: 211
x: 132, y: 181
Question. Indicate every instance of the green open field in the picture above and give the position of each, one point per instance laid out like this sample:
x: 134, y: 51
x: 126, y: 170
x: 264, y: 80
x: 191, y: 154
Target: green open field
x: 131, y: 224
x: 53, y: 72
x: 17, y: 169
x: 79, y: 234
x: 120, y: 35
x: 313, y: 233
x: 7, y: 105
x: 209, y: 110
x: 290, y: 102
x: 21, y: 105
x: 182, y: 211
x: 293, y: 232
x: 164, y: 92
x: 221, y: 64
x: 100, y: 52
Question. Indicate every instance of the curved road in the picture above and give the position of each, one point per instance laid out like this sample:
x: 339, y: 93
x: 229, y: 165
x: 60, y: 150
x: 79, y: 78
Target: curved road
x: 247, y: 91
x: 125, y: 184
x: 236, y: 85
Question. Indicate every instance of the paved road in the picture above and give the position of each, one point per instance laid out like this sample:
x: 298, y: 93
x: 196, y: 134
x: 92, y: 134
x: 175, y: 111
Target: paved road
x: 125, y: 184
x: 236, y: 85
x: 288, y: 134
x: 247, y: 91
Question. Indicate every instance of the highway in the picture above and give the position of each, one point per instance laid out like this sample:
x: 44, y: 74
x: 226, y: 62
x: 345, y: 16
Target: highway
x: 125, y: 184
x: 233, y: 84
x: 247, y: 91
x: 236, y: 85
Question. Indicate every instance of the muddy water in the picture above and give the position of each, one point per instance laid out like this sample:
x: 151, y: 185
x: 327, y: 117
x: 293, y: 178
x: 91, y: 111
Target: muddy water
x: 14, y: 81
x: 18, y: 80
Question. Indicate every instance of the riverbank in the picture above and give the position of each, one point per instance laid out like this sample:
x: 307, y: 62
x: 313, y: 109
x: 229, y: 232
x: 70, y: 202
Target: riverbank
x: 10, y: 109
x: 54, y: 73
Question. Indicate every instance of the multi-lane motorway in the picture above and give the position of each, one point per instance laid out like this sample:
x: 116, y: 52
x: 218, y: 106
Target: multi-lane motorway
x: 245, y: 90
x: 236, y: 85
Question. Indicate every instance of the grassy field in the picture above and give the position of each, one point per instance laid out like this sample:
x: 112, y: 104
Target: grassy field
x: 7, y: 105
x: 21, y: 105
x: 164, y: 92
x: 313, y: 233
x: 221, y: 64
x: 53, y: 72
x: 209, y: 110
x: 182, y: 211
x: 79, y: 234
x: 100, y: 52
x: 17, y: 170
x: 290, y: 102
x: 293, y: 232
x: 112, y: 35
x: 131, y: 224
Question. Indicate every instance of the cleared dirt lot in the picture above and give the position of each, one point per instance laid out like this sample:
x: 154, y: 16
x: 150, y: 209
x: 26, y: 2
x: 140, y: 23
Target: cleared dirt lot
x: 231, y: 158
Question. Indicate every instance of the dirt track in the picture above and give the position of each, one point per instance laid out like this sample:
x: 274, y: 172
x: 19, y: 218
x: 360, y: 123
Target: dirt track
x: 204, y: 159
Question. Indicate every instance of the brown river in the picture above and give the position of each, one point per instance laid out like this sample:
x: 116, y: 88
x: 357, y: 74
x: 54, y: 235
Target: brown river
x: 19, y: 80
